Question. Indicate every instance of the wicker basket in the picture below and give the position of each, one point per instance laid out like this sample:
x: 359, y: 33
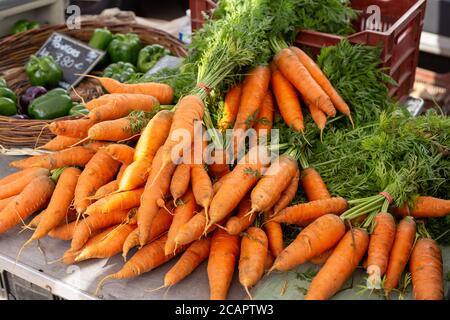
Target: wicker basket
x: 16, y: 50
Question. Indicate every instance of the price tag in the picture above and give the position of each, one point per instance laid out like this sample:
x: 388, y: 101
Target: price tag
x: 74, y: 57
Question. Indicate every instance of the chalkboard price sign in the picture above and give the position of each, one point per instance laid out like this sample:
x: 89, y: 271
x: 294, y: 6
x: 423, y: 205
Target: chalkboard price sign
x: 74, y: 57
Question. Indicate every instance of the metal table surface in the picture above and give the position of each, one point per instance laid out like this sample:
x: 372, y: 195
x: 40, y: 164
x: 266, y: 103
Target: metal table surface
x: 79, y: 281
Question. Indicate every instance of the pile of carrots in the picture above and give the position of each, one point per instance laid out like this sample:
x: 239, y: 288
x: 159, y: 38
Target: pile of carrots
x: 109, y: 197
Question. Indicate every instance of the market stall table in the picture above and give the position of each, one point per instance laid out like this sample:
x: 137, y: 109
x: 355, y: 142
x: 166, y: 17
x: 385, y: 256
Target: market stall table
x: 79, y: 281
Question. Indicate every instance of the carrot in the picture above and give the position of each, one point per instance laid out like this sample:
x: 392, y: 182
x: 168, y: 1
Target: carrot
x: 426, y: 270
x: 254, y: 89
x: 97, y: 102
x: 135, y: 175
x: 291, y: 67
x: 60, y: 202
x: 254, y: 249
x: 162, y: 223
x: 218, y: 170
x: 304, y: 213
x: 201, y: 186
x: 222, y: 260
x: 401, y: 250
x: 275, y: 237
x: 319, y: 236
x: 239, y: 223
x: 339, y: 266
x: 275, y: 180
x: 64, y: 231
x: 288, y: 194
x: 380, y: 245
x: 77, y: 156
x: 112, y: 130
x: 17, y: 175
x: 314, y: 185
x: 269, y: 261
x: 318, y: 117
x: 188, y: 262
x: 109, y: 246
x: 106, y: 190
x: 180, y: 181
x: 287, y: 100
x: 4, y: 202
x: 32, y: 198
x: 98, y: 171
x: 96, y: 145
x: 182, y: 214
x: 264, y: 120
x: 323, y: 257
x: 83, y: 231
x: 230, y: 108
x: 59, y: 143
x: 162, y: 92
x: 15, y: 187
x: 71, y: 128
x: 122, y: 106
x: 425, y: 207
x: 120, y: 152
x: 323, y: 81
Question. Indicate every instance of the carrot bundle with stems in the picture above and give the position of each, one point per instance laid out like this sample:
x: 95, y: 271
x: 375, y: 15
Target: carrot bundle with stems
x: 163, y: 221
x: 77, y: 156
x: 254, y: 249
x: 275, y: 180
x: 162, y: 92
x: 77, y: 128
x: 426, y: 270
x: 121, y: 106
x: 425, y: 207
x: 112, y: 130
x: 319, y: 236
x: 380, y: 245
x: 188, y: 262
x: 98, y: 171
x: 275, y: 237
x: 64, y: 231
x: 83, y: 231
x: 116, y: 201
x: 32, y: 198
x: 323, y: 82
x: 179, y: 184
x: 109, y: 246
x: 182, y: 214
x: 339, y: 266
x: 222, y: 260
x: 201, y: 186
x: 264, y: 120
x: 291, y: 67
x: 287, y: 100
x: 240, y: 222
x: 400, y: 253
x: 304, y: 213
x: 288, y: 194
x: 13, y: 188
x: 59, y: 143
x: 230, y: 108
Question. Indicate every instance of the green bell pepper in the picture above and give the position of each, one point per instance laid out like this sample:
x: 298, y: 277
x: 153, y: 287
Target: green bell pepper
x: 7, y: 106
x: 8, y: 93
x: 149, y: 56
x: 54, y: 104
x: 3, y: 83
x: 121, y: 71
x: 24, y: 25
x: 43, y: 71
x: 100, y: 38
x: 125, y: 47
x: 78, y: 109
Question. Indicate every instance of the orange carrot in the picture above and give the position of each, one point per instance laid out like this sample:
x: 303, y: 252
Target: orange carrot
x: 254, y: 248
x: 323, y: 257
x: 64, y: 231
x: 71, y: 128
x: 401, y: 250
x: 122, y: 106
x: 291, y: 67
x: 319, y: 236
x: 15, y: 187
x: 313, y: 185
x: 32, y: 198
x: 180, y: 181
x: 427, y: 271
x: 264, y: 120
x: 304, y: 213
x: 425, y: 207
x: 240, y: 222
x: 230, y: 108
x: 96, y: 145
x: 380, y: 245
x: 116, y: 201
x: 4, y: 202
x: 59, y: 143
x: 287, y: 100
x: 121, y: 152
x: 162, y: 92
x: 77, y: 156
x: 269, y: 261
x: 106, y: 190
x: 339, y: 266
x: 201, y: 186
x: 275, y: 237
x: 323, y: 81
x: 17, y: 175
x: 288, y: 194
x: 182, y: 214
x: 98, y: 171
x: 112, y: 130
x: 318, y: 117
x: 222, y: 260
x: 188, y: 262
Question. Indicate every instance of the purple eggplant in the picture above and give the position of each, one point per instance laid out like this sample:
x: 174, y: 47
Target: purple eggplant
x: 30, y: 94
